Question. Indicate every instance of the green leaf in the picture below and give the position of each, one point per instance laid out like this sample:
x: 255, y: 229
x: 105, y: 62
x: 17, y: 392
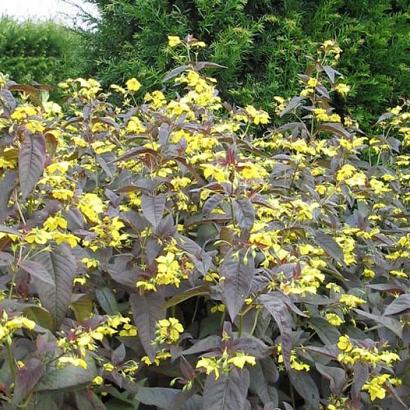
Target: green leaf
x: 228, y: 392
x: 31, y: 162
x: 41, y: 316
x: 147, y: 310
x: 238, y: 271
x: 61, y: 265
x: 83, y: 308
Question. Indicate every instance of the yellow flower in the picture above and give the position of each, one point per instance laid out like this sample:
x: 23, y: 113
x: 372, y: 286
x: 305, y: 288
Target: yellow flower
x: 257, y: 116
x: 38, y: 236
x: 91, y: 206
x: 62, y: 194
x: 378, y: 186
x: 342, y: 89
x: 98, y: 380
x: 90, y: 263
x: 80, y: 280
x: 134, y: 126
x: 169, y: 271
x: 20, y: 322
x: 312, y: 82
x: 331, y: 47
x: 75, y: 361
x: 133, y: 85
x: 375, y: 387
x: 220, y: 307
x: 210, y: 364
x: 35, y: 126
x: 334, y: 319
x: 22, y: 112
x: 54, y: 222
x: 344, y: 344
x: 156, y: 99
x: 144, y: 285
x: 174, y: 41
x: 398, y: 273
x: 299, y: 366
x: 368, y: 273
x: 240, y: 359
x: 199, y: 44
x: 128, y: 330
x: 389, y: 357
x: 162, y: 355
x: 351, y: 301
x: 168, y: 330
x: 68, y: 238
x: 108, y: 367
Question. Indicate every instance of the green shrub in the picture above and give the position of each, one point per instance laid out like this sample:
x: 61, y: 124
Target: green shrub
x: 43, y: 52
x: 164, y: 254
x: 262, y: 43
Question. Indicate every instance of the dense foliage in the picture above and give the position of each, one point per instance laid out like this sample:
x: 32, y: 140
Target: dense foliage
x: 161, y: 255
x: 262, y: 43
x: 44, y: 52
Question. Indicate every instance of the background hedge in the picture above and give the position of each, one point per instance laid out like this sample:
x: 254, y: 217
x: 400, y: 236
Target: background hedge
x: 262, y: 42
x: 42, y: 52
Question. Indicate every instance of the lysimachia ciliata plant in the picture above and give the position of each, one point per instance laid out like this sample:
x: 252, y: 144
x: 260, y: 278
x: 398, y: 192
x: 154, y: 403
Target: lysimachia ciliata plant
x: 184, y: 253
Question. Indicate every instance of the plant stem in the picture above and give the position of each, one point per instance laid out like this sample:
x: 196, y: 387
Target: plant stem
x: 255, y: 322
x: 10, y: 359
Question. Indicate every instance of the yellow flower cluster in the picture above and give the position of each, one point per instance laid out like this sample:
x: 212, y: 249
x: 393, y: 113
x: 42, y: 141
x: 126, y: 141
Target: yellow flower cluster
x: 376, y: 386
x: 352, y: 353
x: 295, y: 363
x: 78, y: 342
x: 223, y: 364
x: 168, y: 331
x: 9, y: 325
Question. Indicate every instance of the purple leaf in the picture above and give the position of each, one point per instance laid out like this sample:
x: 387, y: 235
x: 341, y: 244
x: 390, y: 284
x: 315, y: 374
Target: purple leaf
x: 228, y: 392
x: 280, y: 313
x: 32, y: 157
x: 153, y: 208
x: 147, y: 311
x: 61, y: 266
x: 238, y: 272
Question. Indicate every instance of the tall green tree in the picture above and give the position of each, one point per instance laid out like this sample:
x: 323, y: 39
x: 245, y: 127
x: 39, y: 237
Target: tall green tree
x: 44, y: 52
x: 263, y: 44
